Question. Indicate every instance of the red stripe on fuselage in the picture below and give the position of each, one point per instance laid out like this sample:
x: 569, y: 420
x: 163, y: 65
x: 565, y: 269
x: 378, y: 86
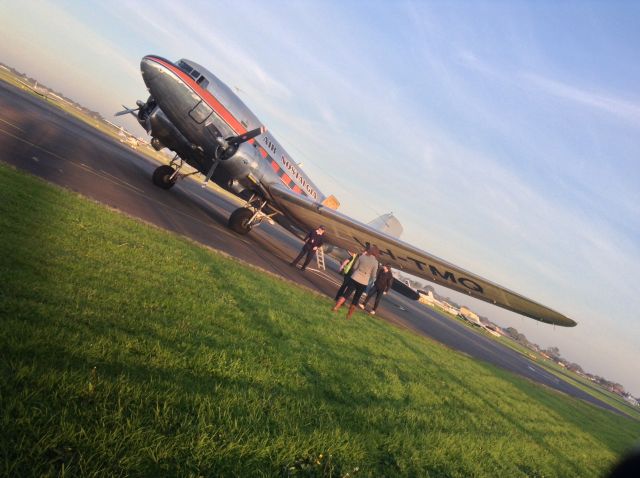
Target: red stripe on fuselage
x: 286, y: 179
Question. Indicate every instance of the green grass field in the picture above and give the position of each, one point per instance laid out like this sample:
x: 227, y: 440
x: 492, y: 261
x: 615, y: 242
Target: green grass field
x: 574, y: 379
x: 128, y: 351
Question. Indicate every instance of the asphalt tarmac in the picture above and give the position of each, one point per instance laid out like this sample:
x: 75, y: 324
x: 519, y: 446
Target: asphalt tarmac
x: 43, y: 140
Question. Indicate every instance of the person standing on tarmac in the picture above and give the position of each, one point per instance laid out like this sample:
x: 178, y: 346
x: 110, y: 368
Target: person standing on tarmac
x: 364, y: 268
x: 380, y: 287
x: 346, y: 269
x: 312, y: 242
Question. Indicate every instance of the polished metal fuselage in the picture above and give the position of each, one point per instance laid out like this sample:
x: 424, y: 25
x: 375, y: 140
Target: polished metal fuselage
x: 188, y: 113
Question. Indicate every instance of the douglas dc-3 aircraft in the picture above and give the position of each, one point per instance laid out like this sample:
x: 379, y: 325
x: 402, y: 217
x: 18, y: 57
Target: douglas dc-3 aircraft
x: 191, y: 112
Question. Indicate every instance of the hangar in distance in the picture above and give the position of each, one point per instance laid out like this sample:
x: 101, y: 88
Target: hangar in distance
x: 197, y: 116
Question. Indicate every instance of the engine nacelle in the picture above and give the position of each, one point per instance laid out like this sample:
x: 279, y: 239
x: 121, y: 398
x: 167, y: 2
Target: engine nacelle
x: 164, y: 133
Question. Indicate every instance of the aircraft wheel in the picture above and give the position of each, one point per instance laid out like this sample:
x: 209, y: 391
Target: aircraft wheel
x: 239, y: 219
x: 161, y: 177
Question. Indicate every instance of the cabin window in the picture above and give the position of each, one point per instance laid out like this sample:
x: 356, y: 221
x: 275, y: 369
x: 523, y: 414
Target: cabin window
x: 195, y: 74
x: 200, y: 112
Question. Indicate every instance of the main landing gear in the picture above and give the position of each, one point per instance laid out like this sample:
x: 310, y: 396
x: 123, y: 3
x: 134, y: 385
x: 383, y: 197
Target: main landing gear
x: 243, y: 219
x: 164, y: 177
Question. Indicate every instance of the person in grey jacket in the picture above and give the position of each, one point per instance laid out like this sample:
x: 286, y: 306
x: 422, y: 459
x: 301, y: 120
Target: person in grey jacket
x: 364, y: 269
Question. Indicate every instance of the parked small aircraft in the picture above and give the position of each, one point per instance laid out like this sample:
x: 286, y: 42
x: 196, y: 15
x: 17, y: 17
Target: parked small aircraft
x: 198, y: 117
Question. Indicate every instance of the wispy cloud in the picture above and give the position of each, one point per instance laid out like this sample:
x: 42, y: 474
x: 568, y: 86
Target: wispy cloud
x: 626, y: 109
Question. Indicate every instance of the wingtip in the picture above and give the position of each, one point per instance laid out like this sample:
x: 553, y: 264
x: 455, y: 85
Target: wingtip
x: 564, y: 322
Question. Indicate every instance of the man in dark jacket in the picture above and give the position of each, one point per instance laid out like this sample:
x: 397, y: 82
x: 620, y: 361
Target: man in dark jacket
x: 380, y: 287
x: 312, y: 242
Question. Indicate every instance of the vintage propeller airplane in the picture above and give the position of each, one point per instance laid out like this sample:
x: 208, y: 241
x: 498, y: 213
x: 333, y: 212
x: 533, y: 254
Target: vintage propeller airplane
x: 198, y: 117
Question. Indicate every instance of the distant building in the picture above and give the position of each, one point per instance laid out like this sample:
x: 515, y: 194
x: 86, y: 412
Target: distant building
x: 633, y: 401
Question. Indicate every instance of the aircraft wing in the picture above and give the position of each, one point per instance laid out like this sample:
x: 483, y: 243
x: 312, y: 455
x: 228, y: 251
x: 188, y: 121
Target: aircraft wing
x: 353, y: 235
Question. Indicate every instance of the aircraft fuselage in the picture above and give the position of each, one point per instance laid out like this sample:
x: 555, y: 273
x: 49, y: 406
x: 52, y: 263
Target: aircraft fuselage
x: 190, y: 108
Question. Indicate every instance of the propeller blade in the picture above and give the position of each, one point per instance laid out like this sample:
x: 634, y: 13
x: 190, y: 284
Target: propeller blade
x: 243, y: 138
x: 229, y: 146
x: 127, y: 110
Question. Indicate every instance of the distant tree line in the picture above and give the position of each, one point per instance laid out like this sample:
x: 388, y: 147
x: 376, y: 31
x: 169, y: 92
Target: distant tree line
x: 554, y: 354
x: 33, y: 81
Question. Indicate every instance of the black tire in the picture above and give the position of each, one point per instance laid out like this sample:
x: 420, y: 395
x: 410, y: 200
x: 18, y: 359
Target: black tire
x: 161, y: 177
x: 239, y: 219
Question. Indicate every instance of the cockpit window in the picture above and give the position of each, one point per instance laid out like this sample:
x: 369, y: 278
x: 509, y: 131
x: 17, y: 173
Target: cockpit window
x: 202, y: 81
x: 195, y: 74
x: 184, y: 67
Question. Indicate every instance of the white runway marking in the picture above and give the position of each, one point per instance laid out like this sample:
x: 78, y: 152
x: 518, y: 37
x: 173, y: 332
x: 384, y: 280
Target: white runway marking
x: 12, y: 125
x: 121, y: 180
x: 32, y: 144
x: 323, y: 275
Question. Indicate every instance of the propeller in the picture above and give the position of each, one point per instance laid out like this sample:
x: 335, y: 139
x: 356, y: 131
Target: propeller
x: 132, y: 111
x: 228, y: 147
x: 235, y: 141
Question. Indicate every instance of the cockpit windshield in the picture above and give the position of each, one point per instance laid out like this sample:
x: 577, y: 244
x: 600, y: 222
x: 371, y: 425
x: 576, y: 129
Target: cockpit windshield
x: 193, y: 73
x: 184, y: 66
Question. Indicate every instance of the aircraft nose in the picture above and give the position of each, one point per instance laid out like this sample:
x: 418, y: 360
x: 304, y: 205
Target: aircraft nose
x: 150, y: 68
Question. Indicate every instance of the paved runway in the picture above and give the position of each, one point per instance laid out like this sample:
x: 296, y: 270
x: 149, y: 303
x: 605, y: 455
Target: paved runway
x: 41, y: 139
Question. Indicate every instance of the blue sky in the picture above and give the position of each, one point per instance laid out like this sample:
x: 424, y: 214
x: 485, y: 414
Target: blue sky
x: 503, y: 135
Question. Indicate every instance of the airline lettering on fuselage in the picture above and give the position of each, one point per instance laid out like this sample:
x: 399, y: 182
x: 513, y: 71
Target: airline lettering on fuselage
x: 295, y: 174
x: 437, y: 274
x: 270, y: 145
x: 291, y: 169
